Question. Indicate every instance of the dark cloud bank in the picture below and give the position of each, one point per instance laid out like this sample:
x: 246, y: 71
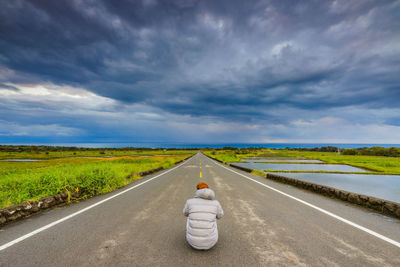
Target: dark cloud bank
x: 201, y: 70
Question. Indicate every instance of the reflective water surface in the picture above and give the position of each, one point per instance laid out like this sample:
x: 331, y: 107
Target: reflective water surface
x: 300, y: 167
x: 289, y: 160
x: 381, y: 186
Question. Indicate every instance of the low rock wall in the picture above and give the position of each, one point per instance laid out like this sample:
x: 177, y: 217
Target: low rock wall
x: 150, y: 171
x: 29, y: 208
x: 144, y: 173
x: 241, y: 168
x: 220, y: 161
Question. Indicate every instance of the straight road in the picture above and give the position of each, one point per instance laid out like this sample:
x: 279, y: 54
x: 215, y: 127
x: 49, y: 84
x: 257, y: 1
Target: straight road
x: 145, y: 227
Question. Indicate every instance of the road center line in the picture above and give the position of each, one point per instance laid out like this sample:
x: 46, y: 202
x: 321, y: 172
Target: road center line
x: 41, y: 229
x: 391, y: 241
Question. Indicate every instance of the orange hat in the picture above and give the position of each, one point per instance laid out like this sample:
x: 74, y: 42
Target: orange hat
x: 202, y: 185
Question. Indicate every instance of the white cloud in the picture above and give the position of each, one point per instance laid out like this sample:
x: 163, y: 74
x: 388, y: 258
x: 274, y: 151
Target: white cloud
x: 277, y: 49
x: 50, y: 94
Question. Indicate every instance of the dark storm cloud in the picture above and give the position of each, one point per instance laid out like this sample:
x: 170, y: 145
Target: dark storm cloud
x: 230, y: 60
x: 8, y: 87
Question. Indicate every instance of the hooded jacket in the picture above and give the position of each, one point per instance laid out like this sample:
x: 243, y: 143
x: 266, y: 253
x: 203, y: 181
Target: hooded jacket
x: 202, y: 212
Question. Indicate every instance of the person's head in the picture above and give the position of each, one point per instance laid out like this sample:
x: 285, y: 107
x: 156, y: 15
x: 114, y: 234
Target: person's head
x: 202, y: 185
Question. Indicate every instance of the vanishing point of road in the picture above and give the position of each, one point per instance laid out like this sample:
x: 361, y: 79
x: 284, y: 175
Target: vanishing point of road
x: 265, y: 224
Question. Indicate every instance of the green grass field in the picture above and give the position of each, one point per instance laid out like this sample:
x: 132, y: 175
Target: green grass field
x: 23, y: 181
x: 373, y: 164
x: 87, y: 153
x: 379, y: 164
x: 237, y: 155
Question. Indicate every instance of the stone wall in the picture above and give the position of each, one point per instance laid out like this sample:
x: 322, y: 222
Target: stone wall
x: 144, y: 173
x: 29, y: 208
x: 241, y: 168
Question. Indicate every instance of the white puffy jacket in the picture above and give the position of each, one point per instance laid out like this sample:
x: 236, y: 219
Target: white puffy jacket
x: 202, y: 212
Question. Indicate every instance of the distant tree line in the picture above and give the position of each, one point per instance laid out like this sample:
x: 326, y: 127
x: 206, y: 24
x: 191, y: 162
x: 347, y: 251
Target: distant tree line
x: 26, y: 148
x: 369, y: 151
x: 317, y: 149
x: 238, y: 149
x: 373, y: 151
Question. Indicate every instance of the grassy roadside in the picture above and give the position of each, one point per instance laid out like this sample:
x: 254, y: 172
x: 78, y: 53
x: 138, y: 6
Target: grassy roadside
x: 89, y: 177
x: 239, y: 155
x: 226, y: 155
x: 373, y: 164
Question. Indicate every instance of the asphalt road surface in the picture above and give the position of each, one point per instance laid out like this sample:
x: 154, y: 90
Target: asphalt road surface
x: 143, y: 225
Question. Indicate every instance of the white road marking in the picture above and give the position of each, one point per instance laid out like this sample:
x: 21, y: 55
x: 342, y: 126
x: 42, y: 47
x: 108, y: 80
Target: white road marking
x: 391, y: 241
x: 41, y: 229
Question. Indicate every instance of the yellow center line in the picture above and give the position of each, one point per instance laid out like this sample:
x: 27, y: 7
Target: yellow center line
x: 201, y: 175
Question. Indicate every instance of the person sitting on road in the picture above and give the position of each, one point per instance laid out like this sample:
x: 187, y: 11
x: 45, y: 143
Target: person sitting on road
x: 202, y: 212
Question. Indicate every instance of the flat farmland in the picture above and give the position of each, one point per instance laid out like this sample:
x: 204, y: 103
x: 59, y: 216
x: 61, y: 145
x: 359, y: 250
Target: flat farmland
x: 87, y: 172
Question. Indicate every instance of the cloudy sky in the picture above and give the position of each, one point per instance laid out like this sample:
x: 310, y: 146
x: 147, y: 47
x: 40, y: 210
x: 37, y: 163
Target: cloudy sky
x: 200, y: 71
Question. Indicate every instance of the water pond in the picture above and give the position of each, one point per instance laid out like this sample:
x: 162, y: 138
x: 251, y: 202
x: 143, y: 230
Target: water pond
x: 293, y: 160
x: 381, y: 186
x: 300, y: 167
x: 270, y: 158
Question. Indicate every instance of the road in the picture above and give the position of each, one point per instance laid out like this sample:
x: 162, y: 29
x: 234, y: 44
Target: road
x: 143, y: 225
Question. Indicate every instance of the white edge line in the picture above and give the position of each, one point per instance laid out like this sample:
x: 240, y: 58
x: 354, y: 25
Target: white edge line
x: 41, y: 229
x: 391, y: 241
